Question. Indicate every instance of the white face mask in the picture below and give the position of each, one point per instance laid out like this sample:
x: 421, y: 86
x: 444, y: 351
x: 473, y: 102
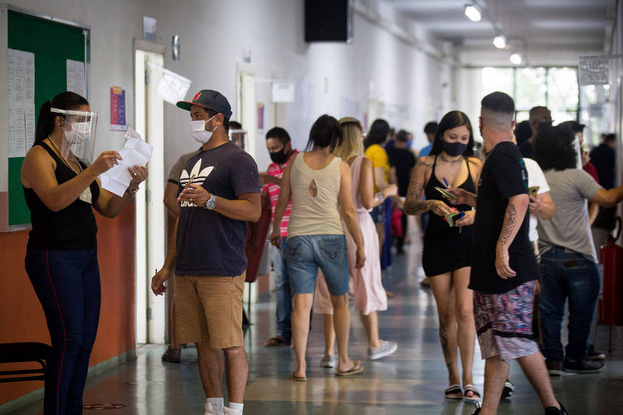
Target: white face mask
x: 198, y: 131
x: 79, y: 132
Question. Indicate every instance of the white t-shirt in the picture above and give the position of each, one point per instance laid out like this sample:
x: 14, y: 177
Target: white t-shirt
x: 535, y: 178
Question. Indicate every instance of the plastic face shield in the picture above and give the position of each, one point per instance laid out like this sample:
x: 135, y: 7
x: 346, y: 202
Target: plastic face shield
x: 238, y: 137
x: 78, y: 133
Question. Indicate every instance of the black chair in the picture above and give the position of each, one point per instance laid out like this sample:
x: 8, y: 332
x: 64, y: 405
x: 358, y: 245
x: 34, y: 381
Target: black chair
x: 21, y: 353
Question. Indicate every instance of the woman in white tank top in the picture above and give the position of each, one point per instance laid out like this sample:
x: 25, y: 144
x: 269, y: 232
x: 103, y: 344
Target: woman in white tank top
x: 319, y: 185
x: 369, y: 293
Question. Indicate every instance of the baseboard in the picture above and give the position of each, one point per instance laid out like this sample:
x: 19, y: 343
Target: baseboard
x: 37, y: 395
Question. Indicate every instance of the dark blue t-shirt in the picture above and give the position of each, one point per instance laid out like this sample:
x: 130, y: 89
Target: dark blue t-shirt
x: 503, y: 176
x: 209, y: 243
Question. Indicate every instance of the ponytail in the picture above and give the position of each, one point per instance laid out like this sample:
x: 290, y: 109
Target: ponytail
x: 45, y: 122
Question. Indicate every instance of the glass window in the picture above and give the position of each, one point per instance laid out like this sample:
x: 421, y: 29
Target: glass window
x: 562, y: 89
x: 531, y: 88
x: 497, y: 79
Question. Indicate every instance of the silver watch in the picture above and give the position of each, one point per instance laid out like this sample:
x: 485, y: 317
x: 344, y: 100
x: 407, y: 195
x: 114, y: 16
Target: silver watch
x: 211, y: 203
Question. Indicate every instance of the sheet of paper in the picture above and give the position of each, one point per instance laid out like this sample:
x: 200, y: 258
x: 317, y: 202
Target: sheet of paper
x: 76, y: 81
x: 135, y: 152
x: 172, y: 86
x: 21, y: 112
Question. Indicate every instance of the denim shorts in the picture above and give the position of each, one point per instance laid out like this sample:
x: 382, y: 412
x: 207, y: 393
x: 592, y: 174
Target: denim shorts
x: 306, y: 253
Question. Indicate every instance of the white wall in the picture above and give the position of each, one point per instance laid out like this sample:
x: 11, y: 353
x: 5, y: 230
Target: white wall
x: 376, y: 71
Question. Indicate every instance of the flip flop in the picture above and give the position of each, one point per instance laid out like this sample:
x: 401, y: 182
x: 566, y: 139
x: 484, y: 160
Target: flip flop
x: 475, y: 394
x: 276, y: 342
x: 298, y: 379
x: 453, y: 392
x: 357, y: 368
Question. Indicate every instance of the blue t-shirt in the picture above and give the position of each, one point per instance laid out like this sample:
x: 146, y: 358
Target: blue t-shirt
x: 425, y: 151
x: 209, y: 243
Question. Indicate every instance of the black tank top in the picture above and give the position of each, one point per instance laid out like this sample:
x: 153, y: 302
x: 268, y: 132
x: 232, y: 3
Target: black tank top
x: 69, y: 229
x: 437, y: 226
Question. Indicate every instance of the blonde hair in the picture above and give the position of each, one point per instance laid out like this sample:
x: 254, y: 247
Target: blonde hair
x: 352, y: 145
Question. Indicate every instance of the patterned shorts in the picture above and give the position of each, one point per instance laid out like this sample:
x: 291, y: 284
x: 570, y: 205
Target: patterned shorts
x: 504, y: 322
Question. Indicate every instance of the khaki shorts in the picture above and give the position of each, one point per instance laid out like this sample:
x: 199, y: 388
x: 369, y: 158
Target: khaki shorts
x: 209, y: 310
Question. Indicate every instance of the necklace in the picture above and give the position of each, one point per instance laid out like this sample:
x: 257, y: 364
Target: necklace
x: 451, y: 161
x: 63, y: 158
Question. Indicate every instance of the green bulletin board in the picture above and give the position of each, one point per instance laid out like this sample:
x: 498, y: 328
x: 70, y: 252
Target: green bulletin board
x: 53, y: 43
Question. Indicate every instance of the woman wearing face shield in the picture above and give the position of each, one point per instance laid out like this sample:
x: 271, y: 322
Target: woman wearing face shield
x: 61, y: 260
x: 446, y: 255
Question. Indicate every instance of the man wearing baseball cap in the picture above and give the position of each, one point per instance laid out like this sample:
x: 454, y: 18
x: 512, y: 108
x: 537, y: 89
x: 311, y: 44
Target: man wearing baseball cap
x: 219, y: 193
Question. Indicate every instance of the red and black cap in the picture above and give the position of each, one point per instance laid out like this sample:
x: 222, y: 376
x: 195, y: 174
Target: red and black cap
x: 210, y: 99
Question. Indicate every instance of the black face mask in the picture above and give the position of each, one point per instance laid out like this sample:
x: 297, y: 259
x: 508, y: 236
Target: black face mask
x: 453, y: 149
x: 279, y: 157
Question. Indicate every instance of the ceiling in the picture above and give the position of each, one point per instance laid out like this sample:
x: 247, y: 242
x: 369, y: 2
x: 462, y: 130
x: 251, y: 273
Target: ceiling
x: 528, y: 24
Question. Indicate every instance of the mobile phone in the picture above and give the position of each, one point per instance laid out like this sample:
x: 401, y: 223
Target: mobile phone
x: 533, y: 190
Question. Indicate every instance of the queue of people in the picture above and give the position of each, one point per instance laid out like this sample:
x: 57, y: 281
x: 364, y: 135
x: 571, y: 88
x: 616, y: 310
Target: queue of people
x: 508, y: 242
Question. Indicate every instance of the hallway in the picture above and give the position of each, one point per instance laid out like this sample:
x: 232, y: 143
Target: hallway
x: 410, y: 381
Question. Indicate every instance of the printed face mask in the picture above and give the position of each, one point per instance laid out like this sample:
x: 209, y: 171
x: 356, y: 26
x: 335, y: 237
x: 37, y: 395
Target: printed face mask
x: 198, y: 132
x: 454, y: 149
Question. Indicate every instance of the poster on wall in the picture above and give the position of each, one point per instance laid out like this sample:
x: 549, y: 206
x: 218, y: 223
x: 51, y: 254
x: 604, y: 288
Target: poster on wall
x: 117, y: 109
x: 21, y: 93
x: 260, y: 116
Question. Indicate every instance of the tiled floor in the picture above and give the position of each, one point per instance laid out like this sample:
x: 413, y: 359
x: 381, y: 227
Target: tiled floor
x: 409, y: 382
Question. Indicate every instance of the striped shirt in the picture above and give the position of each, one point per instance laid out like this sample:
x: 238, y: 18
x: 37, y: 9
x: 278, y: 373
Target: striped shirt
x: 273, y: 194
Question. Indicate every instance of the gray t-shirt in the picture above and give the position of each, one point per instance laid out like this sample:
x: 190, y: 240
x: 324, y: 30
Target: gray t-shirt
x: 176, y: 170
x: 569, y: 228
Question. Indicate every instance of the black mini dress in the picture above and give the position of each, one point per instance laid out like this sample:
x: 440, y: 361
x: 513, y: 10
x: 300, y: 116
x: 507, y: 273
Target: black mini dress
x: 446, y: 248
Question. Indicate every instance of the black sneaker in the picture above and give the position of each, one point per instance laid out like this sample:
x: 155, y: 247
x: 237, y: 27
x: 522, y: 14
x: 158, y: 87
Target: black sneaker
x: 594, y: 354
x: 585, y: 366
x: 555, y: 367
x: 556, y: 411
x: 477, y: 411
x: 509, y: 387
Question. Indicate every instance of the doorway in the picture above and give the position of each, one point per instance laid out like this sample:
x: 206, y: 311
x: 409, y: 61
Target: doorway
x: 150, y: 231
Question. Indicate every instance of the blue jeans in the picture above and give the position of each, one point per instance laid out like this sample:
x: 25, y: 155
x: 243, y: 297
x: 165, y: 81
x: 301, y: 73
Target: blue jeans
x: 567, y: 274
x: 67, y: 284
x: 282, y: 291
x: 306, y: 253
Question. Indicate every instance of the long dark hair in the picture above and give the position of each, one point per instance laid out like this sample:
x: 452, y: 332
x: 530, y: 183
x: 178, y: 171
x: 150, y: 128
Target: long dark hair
x: 554, y: 149
x: 449, y: 121
x: 377, y: 133
x: 65, y: 101
x: 326, y: 132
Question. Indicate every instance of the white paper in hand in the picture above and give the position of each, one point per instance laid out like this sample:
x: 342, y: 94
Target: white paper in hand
x: 135, y: 152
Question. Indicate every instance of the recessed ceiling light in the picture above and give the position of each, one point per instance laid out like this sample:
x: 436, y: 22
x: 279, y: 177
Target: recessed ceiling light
x: 499, y: 41
x: 515, y: 59
x: 472, y: 13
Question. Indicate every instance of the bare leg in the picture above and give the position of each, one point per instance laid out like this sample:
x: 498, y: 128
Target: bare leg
x: 444, y: 297
x: 534, y: 367
x: 300, y: 329
x: 496, y: 373
x: 237, y: 373
x: 371, y: 324
x: 341, y: 321
x: 329, y: 334
x: 466, y: 333
x: 211, y: 370
x: 380, y: 230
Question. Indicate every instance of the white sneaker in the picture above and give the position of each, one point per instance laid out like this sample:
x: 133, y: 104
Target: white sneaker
x: 229, y: 411
x: 211, y: 410
x: 386, y: 349
x: 328, y: 361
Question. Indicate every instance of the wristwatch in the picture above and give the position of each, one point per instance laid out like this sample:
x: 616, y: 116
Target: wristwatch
x: 211, y: 203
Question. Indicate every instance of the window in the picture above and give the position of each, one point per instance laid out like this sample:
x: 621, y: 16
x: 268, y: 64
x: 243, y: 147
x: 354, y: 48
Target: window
x: 555, y: 88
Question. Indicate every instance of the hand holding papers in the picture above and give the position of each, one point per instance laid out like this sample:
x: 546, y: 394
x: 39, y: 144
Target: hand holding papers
x: 135, y: 152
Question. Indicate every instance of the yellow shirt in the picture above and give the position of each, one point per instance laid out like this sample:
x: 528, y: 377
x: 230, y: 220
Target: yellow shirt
x: 378, y: 157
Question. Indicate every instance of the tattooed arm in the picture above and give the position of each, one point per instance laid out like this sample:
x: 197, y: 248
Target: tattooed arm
x: 513, y: 218
x: 414, y: 205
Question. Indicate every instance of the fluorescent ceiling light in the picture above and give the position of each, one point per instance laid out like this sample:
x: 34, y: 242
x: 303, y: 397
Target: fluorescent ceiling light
x: 472, y: 13
x: 515, y: 59
x: 499, y: 41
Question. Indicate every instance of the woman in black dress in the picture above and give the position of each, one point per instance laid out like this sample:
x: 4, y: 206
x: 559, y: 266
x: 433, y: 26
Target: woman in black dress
x: 446, y: 256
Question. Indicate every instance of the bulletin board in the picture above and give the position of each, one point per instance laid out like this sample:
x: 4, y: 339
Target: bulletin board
x: 40, y: 57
